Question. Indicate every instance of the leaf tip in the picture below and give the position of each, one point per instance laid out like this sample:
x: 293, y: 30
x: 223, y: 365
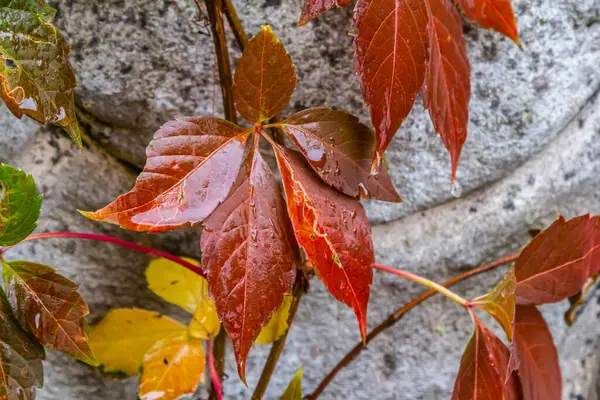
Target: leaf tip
x: 377, y: 163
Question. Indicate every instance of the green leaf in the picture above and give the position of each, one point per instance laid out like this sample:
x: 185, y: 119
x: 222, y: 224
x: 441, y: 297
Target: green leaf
x: 20, y: 358
x: 48, y: 305
x: 36, y: 78
x: 35, y: 6
x: 19, y: 205
x: 294, y: 389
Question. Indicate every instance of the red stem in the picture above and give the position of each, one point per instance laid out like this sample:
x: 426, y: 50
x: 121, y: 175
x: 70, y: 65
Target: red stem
x: 214, y: 374
x: 110, y: 239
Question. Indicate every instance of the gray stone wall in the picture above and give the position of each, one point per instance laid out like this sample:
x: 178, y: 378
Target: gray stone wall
x: 533, y: 151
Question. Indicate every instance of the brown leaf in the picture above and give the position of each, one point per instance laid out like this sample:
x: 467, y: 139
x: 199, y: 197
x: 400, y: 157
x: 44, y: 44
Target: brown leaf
x: 314, y: 8
x: 557, y: 263
x: 492, y: 14
x: 447, y: 88
x: 578, y: 298
x: 390, y: 56
x: 334, y: 231
x: 48, y: 305
x: 190, y: 167
x: 264, y: 78
x: 340, y: 149
x: 249, y: 254
x: 539, y: 371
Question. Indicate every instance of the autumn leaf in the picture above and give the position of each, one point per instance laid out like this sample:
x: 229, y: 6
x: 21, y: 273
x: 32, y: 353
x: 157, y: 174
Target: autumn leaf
x: 557, y: 263
x: 447, y: 87
x: 539, y: 371
x: 483, y: 368
x: 577, y: 299
x: 124, y: 335
x: 205, y: 322
x: 314, y: 8
x: 190, y: 167
x: 19, y: 205
x: 36, y: 78
x: 294, y: 389
x: 500, y: 302
x: 340, y: 149
x: 265, y: 78
x: 20, y: 357
x: 492, y: 14
x: 390, y: 55
x: 278, y: 324
x: 249, y: 254
x: 334, y: 231
x: 48, y: 305
x: 173, y: 367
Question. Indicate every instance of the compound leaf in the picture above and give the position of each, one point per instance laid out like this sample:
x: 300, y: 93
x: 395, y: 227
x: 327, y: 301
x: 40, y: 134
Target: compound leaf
x: 447, y: 87
x: 249, y: 254
x: 190, y: 167
x: 19, y: 205
x: 492, y: 14
x: 334, y: 231
x: 122, y: 337
x: 340, y: 149
x: 264, y: 78
x: 48, y: 305
x: 390, y: 56
x: 173, y: 367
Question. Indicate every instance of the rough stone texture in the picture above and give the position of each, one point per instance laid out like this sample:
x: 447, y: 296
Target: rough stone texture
x: 533, y: 151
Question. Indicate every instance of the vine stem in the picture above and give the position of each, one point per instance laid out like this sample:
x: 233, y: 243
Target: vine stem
x: 425, y: 282
x: 214, y: 374
x: 235, y: 24
x: 114, y: 240
x: 398, y: 315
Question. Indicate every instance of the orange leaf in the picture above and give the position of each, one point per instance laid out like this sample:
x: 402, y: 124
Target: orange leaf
x: 314, y: 8
x: 557, y: 263
x: 539, y: 371
x: 492, y: 14
x: 334, y: 231
x: 191, y: 165
x: 447, y: 86
x: 249, y: 254
x: 339, y: 148
x: 391, y: 51
x: 264, y: 78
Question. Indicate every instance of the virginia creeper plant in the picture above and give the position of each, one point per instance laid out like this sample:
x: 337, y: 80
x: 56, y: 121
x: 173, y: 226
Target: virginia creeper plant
x: 262, y: 239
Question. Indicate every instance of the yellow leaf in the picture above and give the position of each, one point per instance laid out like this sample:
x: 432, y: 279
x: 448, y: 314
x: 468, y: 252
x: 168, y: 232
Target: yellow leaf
x: 177, y: 284
x: 205, y: 322
x: 124, y: 335
x: 278, y: 323
x: 294, y: 389
x: 173, y: 367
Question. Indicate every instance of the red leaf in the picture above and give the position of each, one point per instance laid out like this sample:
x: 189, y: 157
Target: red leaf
x: 539, y: 371
x: 557, y: 263
x: 191, y: 165
x: 391, y: 51
x: 314, y: 8
x: 248, y: 252
x: 447, y: 86
x: 264, y: 78
x: 483, y: 368
x: 334, y: 231
x: 340, y: 149
x: 492, y: 14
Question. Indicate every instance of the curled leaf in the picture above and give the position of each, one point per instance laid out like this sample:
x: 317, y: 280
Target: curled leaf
x: 314, y: 8
x: 264, y: 78
x: 124, y: 335
x: 492, y: 14
x: 391, y: 50
x: 447, y: 87
x: 340, y: 149
x: 190, y: 167
x: 19, y: 205
x: 36, y: 78
x: 334, y: 231
x: 48, y: 305
x: 294, y: 389
x: 278, y: 323
x: 249, y: 254
x: 577, y: 299
x: 173, y: 367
